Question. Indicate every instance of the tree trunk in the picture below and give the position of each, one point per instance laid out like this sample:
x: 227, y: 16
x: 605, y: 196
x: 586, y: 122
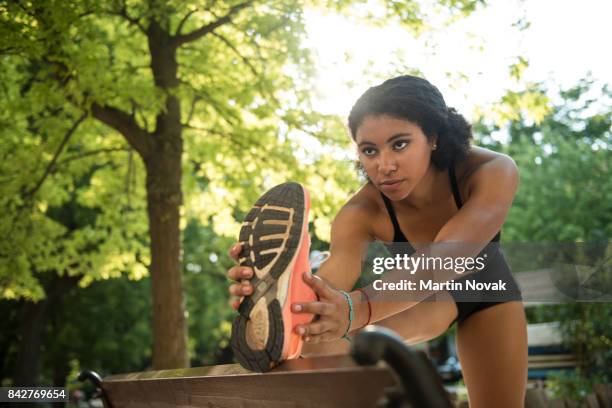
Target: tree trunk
x: 164, y: 198
x: 33, y: 319
x: 32, y: 329
x: 60, y: 372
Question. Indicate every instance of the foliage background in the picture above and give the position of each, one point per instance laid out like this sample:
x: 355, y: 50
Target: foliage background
x: 75, y: 243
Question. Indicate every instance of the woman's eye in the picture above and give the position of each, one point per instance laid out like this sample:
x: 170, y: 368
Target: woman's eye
x: 368, y: 151
x: 400, y: 144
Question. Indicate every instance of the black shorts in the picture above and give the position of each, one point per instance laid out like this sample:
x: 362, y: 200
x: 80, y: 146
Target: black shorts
x: 496, y: 271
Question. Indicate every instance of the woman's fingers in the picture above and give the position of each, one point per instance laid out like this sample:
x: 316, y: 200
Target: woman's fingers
x: 235, y: 302
x: 317, y: 328
x: 317, y: 308
x: 239, y: 272
x: 235, y: 250
x: 241, y: 289
x: 317, y: 284
x: 330, y: 308
x: 327, y: 336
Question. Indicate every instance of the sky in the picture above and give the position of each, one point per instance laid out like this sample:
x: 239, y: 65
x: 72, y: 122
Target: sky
x: 469, y: 60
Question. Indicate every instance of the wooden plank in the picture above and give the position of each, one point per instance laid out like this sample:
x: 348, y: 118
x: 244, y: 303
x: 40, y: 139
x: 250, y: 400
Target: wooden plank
x: 310, y: 383
x: 570, y: 403
x: 543, y: 334
x: 537, y: 287
x: 557, y: 403
x: 552, y: 357
x: 536, y: 398
x: 160, y: 393
x: 129, y: 394
x: 552, y: 361
x: 591, y: 401
x: 604, y: 394
x: 537, y: 366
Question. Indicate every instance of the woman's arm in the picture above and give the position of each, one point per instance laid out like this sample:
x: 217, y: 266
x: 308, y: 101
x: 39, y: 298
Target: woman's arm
x: 350, y: 236
x: 491, y: 189
x: 491, y: 185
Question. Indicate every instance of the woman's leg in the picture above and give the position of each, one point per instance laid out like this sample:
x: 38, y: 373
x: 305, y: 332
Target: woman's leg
x: 425, y: 321
x: 492, y: 348
x: 420, y: 323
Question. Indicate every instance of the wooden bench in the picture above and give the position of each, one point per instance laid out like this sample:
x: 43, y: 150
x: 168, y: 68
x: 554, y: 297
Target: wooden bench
x: 546, y: 351
x: 381, y: 371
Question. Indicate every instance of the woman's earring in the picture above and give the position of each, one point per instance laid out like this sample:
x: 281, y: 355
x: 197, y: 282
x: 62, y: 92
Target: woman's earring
x: 434, y: 147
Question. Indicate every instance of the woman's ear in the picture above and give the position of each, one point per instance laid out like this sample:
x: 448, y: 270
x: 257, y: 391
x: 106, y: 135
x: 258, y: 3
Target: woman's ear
x: 359, y: 166
x: 361, y: 171
x: 434, y: 144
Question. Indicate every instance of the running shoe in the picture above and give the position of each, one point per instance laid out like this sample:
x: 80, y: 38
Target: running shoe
x: 276, y: 246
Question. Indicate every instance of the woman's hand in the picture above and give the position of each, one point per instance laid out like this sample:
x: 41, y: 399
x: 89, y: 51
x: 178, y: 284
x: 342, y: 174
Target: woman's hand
x: 332, y: 310
x: 240, y: 274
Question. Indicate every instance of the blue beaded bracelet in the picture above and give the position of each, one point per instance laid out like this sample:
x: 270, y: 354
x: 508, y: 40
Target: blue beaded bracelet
x: 350, y: 305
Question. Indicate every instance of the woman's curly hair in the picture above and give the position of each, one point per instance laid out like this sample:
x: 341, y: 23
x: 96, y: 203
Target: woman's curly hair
x: 417, y: 100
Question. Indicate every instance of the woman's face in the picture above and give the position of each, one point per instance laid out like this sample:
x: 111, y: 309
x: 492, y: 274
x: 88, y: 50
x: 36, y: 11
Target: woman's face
x: 395, y: 154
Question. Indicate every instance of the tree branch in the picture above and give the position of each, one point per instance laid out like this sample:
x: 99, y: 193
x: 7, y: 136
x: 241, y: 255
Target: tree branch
x: 60, y: 149
x: 183, y: 21
x: 242, y: 57
x: 123, y: 13
x: 128, y: 178
x: 181, y: 39
x: 92, y: 153
x: 192, y: 108
x: 226, y: 114
x: 124, y: 124
x: 262, y: 153
x: 264, y: 157
x: 117, y: 119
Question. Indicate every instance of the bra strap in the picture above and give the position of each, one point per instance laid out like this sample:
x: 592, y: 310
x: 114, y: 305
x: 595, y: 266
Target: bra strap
x: 398, y: 235
x: 454, y: 186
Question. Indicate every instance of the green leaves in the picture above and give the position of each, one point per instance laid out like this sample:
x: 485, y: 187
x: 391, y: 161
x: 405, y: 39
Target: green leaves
x: 228, y: 82
x: 563, y: 160
x: 564, y: 196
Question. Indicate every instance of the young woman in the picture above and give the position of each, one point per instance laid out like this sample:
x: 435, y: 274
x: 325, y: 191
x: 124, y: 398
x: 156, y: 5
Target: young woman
x: 426, y: 184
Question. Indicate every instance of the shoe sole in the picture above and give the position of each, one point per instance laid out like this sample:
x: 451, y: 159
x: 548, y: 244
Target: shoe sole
x: 273, y: 234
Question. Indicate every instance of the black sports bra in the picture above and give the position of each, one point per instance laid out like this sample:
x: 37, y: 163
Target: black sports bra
x: 398, y: 235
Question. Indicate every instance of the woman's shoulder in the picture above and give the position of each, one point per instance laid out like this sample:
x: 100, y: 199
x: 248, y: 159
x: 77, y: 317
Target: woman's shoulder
x: 480, y: 156
x: 367, y: 200
x: 362, y: 209
x: 483, y: 165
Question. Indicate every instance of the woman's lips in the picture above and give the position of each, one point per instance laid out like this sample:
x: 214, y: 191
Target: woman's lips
x: 391, y: 186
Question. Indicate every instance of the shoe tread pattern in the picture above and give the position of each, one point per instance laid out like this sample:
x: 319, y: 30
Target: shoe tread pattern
x: 270, y: 235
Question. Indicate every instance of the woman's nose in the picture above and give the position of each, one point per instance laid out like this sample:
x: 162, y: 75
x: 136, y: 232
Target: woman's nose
x: 387, y: 164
